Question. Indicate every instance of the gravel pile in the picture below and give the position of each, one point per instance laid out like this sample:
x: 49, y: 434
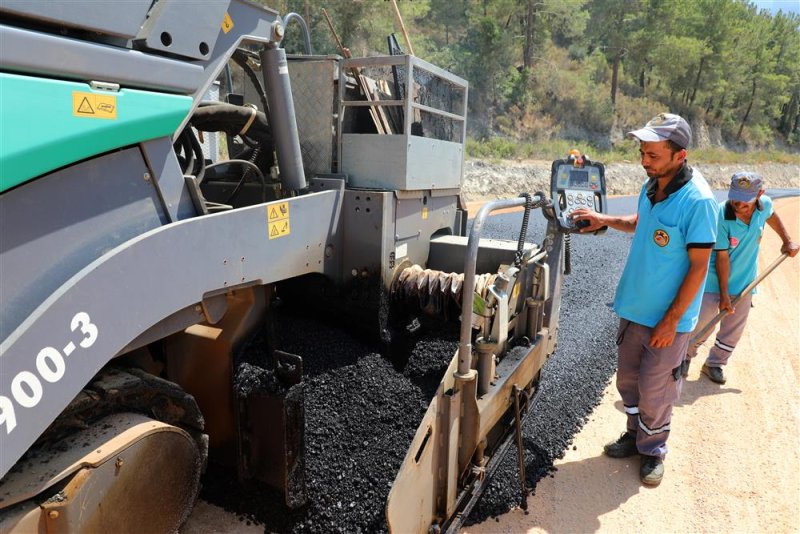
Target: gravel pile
x: 363, y: 407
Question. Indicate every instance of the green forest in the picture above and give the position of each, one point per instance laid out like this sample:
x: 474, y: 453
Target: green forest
x: 549, y: 71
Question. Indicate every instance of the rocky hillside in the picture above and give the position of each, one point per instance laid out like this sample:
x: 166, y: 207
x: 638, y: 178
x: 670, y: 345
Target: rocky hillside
x: 483, y: 179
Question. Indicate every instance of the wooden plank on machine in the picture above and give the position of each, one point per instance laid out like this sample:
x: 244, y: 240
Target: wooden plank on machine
x: 363, y: 84
x: 374, y: 96
x: 393, y: 113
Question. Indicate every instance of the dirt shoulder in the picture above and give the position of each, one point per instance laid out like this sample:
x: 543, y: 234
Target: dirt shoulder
x: 734, y: 461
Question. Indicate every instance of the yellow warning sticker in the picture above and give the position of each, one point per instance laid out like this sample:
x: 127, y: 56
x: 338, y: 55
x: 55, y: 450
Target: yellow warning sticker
x: 424, y: 213
x: 278, y: 211
x: 279, y: 229
x: 227, y: 23
x: 94, y: 106
x: 278, y: 220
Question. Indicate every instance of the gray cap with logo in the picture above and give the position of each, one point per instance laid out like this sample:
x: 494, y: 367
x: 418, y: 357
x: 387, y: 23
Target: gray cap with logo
x: 665, y: 127
x: 745, y: 186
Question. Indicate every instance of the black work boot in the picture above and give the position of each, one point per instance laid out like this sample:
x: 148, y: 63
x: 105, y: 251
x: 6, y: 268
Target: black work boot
x: 623, y: 447
x: 714, y: 374
x: 685, y: 367
x: 651, y: 470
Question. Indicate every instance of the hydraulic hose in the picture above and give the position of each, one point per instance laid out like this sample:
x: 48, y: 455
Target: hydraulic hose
x: 529, y: 205
x: 523, y: 231
x: 233, y: 120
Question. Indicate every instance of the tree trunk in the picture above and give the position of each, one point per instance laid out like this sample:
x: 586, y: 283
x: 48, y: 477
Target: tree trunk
x: 747, y: 113
x: 697, y: 80
x: 530, y: 22
x: 789, y: 114
x: 615, y: 76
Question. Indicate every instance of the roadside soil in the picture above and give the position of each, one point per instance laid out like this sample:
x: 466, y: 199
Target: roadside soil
x: 734, y: 460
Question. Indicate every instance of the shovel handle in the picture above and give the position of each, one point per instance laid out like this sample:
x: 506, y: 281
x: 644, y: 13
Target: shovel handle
x: 713, y: 322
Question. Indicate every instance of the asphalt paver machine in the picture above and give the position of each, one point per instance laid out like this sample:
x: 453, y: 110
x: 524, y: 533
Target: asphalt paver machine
x: 165, y: 170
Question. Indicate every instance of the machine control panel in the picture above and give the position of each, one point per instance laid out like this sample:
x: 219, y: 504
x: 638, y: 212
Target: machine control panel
x: 577, y: 182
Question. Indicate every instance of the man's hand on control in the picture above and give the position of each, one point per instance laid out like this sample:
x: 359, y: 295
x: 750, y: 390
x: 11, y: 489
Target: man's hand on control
x: 596, y: 220
x: 791, y: 248
x: 663, y: 334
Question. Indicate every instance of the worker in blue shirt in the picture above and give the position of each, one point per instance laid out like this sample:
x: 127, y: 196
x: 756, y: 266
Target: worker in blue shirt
x: 734, y: 264
x: 659, y: 293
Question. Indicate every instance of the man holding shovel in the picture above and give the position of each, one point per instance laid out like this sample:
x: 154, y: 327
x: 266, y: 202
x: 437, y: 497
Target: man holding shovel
x: 733, y: 266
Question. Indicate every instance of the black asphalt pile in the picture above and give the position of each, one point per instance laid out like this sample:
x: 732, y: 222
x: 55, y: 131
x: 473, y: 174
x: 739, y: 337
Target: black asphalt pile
x: 574, y: 378
x: 250, y: 378
x: 362, y: 411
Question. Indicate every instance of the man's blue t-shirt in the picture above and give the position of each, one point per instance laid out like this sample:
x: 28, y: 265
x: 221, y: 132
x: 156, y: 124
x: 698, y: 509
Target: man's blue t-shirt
x: 659, y: 259
x: 742, y: 243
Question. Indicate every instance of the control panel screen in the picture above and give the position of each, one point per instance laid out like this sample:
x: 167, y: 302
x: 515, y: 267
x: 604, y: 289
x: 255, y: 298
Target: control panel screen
x: 569, y: 177
x: 578, y: 178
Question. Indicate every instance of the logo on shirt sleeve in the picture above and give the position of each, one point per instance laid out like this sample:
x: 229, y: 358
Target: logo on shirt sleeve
x: 661, y: 238
x: 734, y: 242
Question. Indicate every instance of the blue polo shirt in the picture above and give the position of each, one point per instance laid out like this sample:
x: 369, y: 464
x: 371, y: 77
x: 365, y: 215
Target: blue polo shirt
x: 659, y: 259
x: 742, y: 242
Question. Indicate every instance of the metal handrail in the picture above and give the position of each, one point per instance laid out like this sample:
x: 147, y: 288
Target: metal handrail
x: 468, y: 298
x: 306, y: 36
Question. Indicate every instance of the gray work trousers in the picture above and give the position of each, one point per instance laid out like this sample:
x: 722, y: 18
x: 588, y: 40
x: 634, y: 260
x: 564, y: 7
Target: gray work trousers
x: 649, y: 381
x: 730, y: 332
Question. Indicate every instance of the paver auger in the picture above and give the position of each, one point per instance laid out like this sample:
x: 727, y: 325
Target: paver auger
x: 162, y: 185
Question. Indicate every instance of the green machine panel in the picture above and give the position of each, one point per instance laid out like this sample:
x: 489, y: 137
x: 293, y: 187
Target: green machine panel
x: 47, y: 124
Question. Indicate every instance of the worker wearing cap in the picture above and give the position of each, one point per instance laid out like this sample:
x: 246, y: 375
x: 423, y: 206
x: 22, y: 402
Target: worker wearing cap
x: 659, y: 293
x: 734, y: 264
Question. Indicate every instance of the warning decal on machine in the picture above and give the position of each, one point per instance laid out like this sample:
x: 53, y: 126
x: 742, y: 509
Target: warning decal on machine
x: 278, y: 220
x: 227, y: 23
x: 94, y: 106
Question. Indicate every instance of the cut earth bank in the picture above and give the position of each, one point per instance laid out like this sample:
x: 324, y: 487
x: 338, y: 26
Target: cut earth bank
x: 487, y: 180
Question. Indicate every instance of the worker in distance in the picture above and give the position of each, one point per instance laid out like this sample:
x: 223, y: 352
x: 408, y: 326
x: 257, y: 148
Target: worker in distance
x: 658, y: 296
x: 734, y: 265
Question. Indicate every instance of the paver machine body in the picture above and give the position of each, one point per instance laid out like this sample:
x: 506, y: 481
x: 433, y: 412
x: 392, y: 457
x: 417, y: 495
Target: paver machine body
x: 135, y: 261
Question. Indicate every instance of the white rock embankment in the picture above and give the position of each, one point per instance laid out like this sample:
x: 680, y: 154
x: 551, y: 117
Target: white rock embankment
x: 484, y: 179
